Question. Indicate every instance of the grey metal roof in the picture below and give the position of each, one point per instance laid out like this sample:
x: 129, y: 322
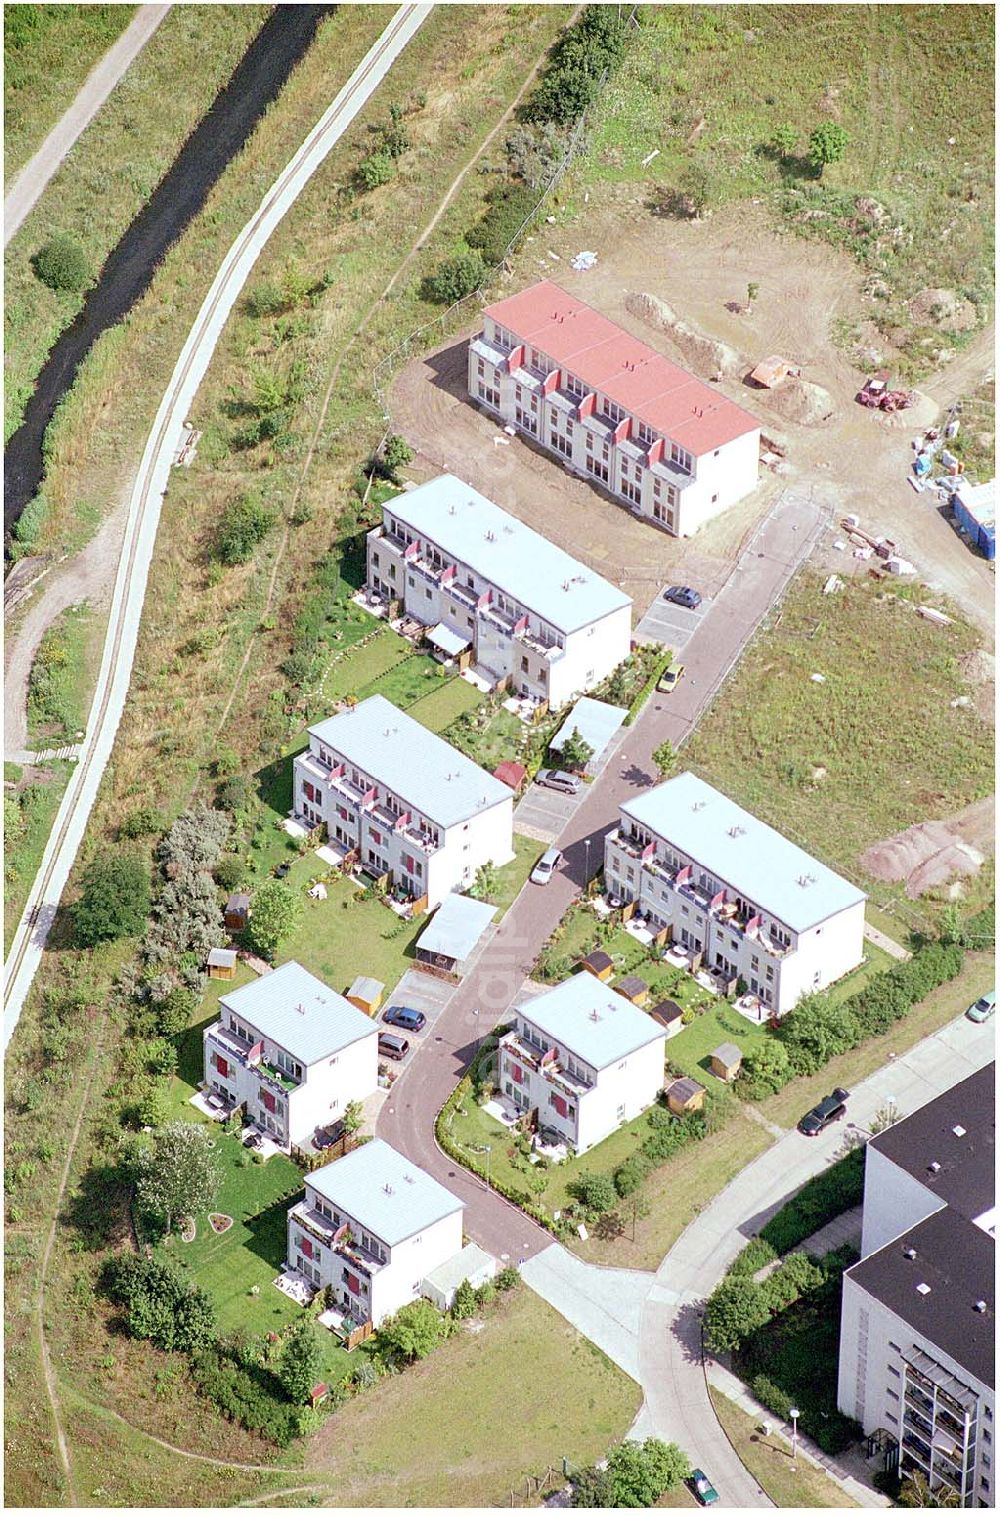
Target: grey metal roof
x: 384, y: 1192
x: 595, y: 721
x: 465, y: 1264
x: 456, y: 926
x: 743, y: 852
x: 422, y: 769
x: 499, y: 547
x: 366, y: 988
x: 728, y: 1053
x: 299, y: 1012
x: 221, y: 957
x: 590, y: 1020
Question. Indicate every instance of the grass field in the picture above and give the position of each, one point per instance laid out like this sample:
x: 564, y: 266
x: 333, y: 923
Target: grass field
x: 111, y: 171
x: 707, y: 88
x: 404, y: 1443
x: 894, y: 750
x: 769, y: 1460
x: 48, y: 51
x: 61, y: 676
x: 29, y: 811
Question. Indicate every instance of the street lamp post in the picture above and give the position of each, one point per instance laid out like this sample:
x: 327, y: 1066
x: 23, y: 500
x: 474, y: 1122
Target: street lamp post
x: 794, y: 1417
x: 488, y: 1151
x: 586, y: 863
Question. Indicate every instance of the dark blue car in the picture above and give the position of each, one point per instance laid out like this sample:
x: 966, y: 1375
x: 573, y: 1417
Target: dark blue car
x: 406, y: 1017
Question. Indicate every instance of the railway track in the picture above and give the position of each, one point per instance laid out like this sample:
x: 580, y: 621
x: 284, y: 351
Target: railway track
x: 147, y: 499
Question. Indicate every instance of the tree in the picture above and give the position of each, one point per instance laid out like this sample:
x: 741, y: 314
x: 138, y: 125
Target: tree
x: 628, y: 1176
x: 784, y: 140
x: 753, y: 290
x: 114, y: 901
x: 610, y: 1226
x: 827, y: 144
x: 353, y: 1117
x: 62, y: 264
x: 413, y: 1332
x: 141, y: 822
x: 464, y: 1303
x: 765, y: 1068
x: 456, y: 278
x: 696, y: 187
x: 665, y: 759
x: 230, y: 872
x: 178, y: 1173
x: 915, y: 1493
x: 299, y: 1362
x: 817, y: 1029
x: 396, y: 453
x: 245, y: 522
x: 159, y: 1305
x: 735, y: 1309
x: 576, y: 752
x: 592, y: 1489
x: 486, y: 882
x: 595, y: 1191
x: 276, y: 913
x: 639, y: 1474
x: 508, y: 1278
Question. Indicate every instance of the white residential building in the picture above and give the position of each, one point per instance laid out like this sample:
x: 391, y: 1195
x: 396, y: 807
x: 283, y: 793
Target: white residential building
x: 582, y: 1059
x: 482, y: 579
x: 676, y: 451
x: 292, y: 1051
x: 373, y: 1225
x: 735, y: 892
x: 918, y: 1324
x: 405, y: 801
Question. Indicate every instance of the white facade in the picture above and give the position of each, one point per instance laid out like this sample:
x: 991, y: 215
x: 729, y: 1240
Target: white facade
x: 374, y: 1271
x: 375, y: 803
x: 285, y: 1090
x: 674, y: 481
x: 740, y: 914
x: 566, y: 1072
x: 529, y: 611
x: 894, y: 1201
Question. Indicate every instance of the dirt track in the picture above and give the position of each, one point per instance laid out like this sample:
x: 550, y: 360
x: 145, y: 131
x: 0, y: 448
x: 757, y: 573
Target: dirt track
x: 701, y: 270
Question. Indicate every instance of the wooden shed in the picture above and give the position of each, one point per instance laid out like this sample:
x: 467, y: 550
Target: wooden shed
x: 222, y: 963
x: 685, y: 1095
x: 366, y: 994
x: 670, y: 1016
x: 725, y: 1062
x: 512, y: 774
x: 237, y: 912
x: 599, y: 964
x: 634, y: 988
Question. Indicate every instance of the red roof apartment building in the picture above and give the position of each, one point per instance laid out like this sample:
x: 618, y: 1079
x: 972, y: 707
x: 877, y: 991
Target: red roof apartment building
x: 675, y: 450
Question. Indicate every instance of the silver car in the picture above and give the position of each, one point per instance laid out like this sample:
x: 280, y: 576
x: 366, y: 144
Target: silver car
x: 554, y: 778
x: 546, y: 866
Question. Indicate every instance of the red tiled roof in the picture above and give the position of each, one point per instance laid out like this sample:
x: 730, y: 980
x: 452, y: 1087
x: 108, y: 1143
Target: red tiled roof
x: 510, y: 773
x: 629, y: 372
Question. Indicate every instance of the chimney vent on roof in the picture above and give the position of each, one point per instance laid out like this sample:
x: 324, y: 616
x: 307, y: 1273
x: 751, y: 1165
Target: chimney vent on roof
x: 387, y: 1188
x: 958, y: 1130
x: 923, y: 1288
x: 735, y: 831
x: 491, y: 536
x: 910, y: 1253
x: 698, y: 805
x: 934, y: 1167
x: 408, y: 1178
x: 301, y: 1009
x: 595, y: 1015
x: 980, y: 1305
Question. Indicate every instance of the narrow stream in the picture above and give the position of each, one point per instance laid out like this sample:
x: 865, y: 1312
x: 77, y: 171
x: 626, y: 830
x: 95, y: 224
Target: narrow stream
x: 257, y: 80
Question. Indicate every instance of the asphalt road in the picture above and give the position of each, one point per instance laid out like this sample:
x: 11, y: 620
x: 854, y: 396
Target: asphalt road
x: 407, y: 1119
x: 106, y: 73
x: 147, y: 498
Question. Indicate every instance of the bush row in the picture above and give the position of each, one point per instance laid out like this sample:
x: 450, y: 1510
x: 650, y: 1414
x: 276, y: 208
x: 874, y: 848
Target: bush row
x: 838, y: 1188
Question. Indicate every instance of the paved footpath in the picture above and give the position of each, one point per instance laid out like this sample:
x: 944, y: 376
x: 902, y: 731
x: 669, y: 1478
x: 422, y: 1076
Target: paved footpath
x: 768, y: 563
x: 106, y: 73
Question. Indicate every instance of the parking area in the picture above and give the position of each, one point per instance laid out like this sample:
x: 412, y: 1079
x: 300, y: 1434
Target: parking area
x: 542, y: 813
x: 420, y: 991
x: 669, y: 624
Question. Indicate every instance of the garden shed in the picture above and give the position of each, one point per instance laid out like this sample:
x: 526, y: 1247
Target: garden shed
x: 512, y: 774
x: 237, y: 912
x: 726, y: 1061
x: 222, y: 963
x: 471, y: 1263
x: 685, y: 1096
x: 670, y: 1016
x: 634, y: 988
x: 366, y: 994
x: 599, y: 964
x: 453, y: 932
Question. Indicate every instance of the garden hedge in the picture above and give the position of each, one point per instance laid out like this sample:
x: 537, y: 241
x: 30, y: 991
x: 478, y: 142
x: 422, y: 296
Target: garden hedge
x: 824, y: 1197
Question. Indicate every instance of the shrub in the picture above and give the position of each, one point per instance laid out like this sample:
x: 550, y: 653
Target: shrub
x: 817, y: 1029
x: 62, y: 264
x: 838, y: 1188
x: 464, y: 1303
x: 412, y: 1333
x: 771, y: 1396
x: 230, y: 872
x: 233, y: 794
x: 765, y: 1069
x: 592, y: 1490
x: 595, y: 1191
x: 241, y: 1394
x: 114, y: 901
x: 396, y: 453
x: 378, y: 168
x: 508, y: 1278
x: 508, y: 208
x: 299, y: 1362
x: 735, y: 1309
x: 456, y: 278
x: 797, y: 1275
x: 144, y: 821
x: 629, y: 1175
x: 755, y: 1255
x: 245, y: 523
x: 159, y: 1305
x: 640, y: 1474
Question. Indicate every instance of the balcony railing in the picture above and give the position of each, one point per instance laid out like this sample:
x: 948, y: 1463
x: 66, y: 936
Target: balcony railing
x: 555, y: 1072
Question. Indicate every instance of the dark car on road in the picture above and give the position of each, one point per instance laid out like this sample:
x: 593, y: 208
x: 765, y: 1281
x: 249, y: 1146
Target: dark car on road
x: 406, y: 1017
x: 834, y: 1107
x: 683, y: 594
x: 395, y: 1047
x: 702, y: 1489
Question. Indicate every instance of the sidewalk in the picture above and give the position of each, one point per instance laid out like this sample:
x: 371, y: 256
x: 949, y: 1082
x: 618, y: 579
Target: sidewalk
x: 879, y: 939
x: 720, y: 1378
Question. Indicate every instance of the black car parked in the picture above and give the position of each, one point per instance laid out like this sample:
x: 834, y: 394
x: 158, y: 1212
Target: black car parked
x: 834, y: 1107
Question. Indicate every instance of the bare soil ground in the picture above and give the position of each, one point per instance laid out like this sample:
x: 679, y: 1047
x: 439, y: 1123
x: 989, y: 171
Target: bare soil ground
x: 697, y: 273
x: 927, y: 856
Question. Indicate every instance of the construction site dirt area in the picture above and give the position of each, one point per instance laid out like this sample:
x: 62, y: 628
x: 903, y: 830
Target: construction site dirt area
x: 681, y: 286
x: 936, y: 853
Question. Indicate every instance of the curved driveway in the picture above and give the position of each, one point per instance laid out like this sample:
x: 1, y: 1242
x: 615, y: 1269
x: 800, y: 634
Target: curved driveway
x: 147, y: 498
x: 407, y: 1119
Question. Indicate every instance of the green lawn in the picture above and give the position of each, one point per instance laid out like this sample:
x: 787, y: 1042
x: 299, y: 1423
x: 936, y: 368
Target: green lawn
x: 59, y: 682
x: 513, y: 877
x: 26, y: 832
x: 349, y: 672
x: 441, y: 1434
x: 893, y: 749
x: 441, y: 706
x: 769, y: 1460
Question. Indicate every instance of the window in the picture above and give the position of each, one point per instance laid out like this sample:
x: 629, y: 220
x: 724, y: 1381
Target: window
x: 621, y: 1116
x: 986, y: 1461
x: 575, y: 386
x: 889, y: 1416
x: 987, y: 1437
x: 894, y: 1371
x: 681, y: 457
x: 892, y: 1394
x: 410, y: 580
x: 645, y: 433
x: 986, y: 1409
x: 524, y: 665
x: 714, y: 499
x: 427, y: 593
x: 895, y: 1346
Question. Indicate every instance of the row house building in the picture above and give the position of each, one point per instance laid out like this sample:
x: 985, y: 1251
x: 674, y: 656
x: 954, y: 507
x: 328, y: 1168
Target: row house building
x: 483, y: 580
x: 404, y: 802
x: 674, y: 450
x: 734, y: 892
x: 374, y: 1226
x: 582, y: 1059
x: 917, y: 1362
x: 291, y: 1052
